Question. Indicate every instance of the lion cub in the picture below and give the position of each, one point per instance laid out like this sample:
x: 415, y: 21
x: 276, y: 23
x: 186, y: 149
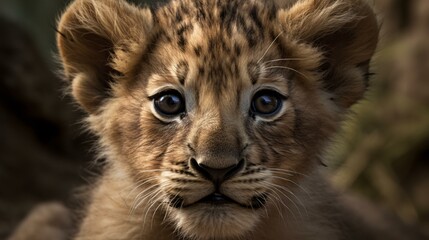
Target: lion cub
x: 213, y: 114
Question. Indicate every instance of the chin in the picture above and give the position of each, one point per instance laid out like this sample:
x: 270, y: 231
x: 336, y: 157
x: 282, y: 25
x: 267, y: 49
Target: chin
x: 210, y: 221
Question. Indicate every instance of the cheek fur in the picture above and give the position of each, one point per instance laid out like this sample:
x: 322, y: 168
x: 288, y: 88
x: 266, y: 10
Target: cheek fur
x: 273, y: 140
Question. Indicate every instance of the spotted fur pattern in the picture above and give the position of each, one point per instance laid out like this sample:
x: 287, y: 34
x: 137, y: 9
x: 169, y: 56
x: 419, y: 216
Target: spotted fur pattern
x: 217, y: 54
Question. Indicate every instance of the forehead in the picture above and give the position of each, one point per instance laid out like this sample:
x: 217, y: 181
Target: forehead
x: 230, y: 19
x: 216, y: 39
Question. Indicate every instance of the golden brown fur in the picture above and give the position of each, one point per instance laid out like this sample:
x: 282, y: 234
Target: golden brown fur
x: 218, y: 54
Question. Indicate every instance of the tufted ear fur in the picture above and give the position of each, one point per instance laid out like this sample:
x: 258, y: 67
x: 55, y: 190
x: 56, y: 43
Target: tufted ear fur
x: 98, y: 40
x: 346, y: 31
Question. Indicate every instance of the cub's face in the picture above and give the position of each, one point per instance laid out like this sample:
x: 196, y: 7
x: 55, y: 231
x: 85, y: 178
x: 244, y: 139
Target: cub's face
x: 217, y: 109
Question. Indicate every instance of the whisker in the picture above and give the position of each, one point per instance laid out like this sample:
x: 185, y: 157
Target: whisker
x: 287, y: 171
x: 269, y: 47
x: 283, y: 173
x: 288, y: 68
x: 153, y: 200
x: 168, y: 210
x: 279, y: 187
x: 140, y: 183
x: 153, y: 170
x: 144, y: 190
x: 274, y: 201
x: 277, y: 206
x: 263, y: 205
x: 167, y: 213
x: 291, y: 173
x: 273, y: 188
x: 138, y: 201
x: 283, y: 59
x: 154, y: 213
x: 290, y: 200
x: 147, y: 197
x: 296, y: 184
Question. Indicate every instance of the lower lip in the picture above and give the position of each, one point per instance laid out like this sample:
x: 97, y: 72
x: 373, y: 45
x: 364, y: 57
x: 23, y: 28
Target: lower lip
x: 216, y: 199
x: 219, y: 199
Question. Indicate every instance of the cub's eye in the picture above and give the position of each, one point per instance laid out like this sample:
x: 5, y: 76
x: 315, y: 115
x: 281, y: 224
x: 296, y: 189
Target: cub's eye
x: 266, y: 103
x: 169, y: 103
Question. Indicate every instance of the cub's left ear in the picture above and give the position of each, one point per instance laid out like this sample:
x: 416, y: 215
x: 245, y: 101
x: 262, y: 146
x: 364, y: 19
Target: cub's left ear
x: 346, y: 31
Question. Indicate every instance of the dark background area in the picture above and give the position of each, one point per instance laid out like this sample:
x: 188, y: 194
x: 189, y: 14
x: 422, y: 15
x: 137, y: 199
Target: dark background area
x: 382, y: 153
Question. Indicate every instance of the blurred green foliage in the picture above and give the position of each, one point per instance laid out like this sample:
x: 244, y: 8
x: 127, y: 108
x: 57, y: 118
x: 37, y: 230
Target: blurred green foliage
x: 39, y: 18
x: 383, y: 148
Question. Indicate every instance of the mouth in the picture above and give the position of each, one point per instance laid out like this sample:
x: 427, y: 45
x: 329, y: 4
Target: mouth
x: 216, y: 199
x: 219, y: 199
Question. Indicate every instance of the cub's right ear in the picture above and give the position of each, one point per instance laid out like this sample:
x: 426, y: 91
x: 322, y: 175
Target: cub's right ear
x: 98, y: 40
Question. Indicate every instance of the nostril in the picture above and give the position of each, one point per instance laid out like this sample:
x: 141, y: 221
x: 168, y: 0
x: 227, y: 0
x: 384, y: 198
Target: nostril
x: 214, y: 174
x: 197, y: 167
x: 234, y: 170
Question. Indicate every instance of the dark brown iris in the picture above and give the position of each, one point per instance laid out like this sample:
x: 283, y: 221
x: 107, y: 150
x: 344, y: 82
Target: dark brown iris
x: 169, y: 103
x: 266, y: 102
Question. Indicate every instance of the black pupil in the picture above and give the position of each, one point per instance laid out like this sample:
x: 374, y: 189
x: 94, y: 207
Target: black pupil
x: 266, y: 104
x: 169, y: 104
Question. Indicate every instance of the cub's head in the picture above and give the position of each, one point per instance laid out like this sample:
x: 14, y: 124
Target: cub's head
x: 216, y: 108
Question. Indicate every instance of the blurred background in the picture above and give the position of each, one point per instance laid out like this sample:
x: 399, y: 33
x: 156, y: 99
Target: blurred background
x: 381, y: 153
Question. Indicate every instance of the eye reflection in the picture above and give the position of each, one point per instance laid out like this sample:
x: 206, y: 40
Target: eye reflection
x: 169, y: 103
x: 266, y: 103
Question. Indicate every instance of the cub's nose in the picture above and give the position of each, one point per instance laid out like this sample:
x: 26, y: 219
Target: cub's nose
x: 217, y: 175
